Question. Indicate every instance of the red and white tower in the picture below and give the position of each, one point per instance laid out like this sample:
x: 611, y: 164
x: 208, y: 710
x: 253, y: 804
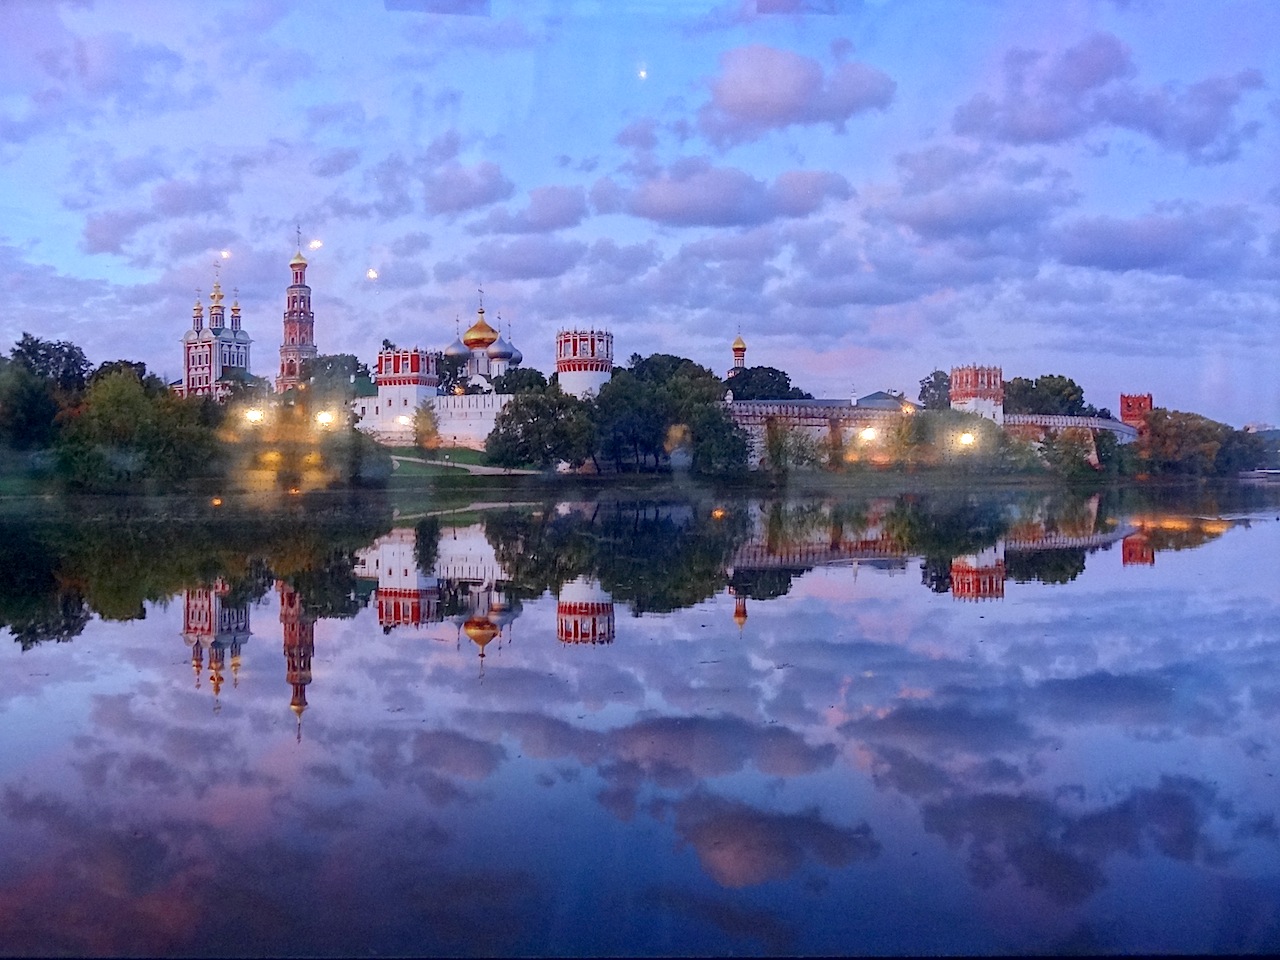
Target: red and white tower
x: 584, y: 360
x: 299, y: 343
x: 299, y: 646
x: 979, y: 576
x: 978, y: 390
x: 584, y: 613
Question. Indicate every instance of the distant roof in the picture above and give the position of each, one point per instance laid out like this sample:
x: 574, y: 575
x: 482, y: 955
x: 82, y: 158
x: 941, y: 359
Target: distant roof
x: 883, y: 400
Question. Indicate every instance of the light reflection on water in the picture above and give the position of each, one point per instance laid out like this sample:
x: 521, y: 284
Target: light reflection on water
x: 855, y: 726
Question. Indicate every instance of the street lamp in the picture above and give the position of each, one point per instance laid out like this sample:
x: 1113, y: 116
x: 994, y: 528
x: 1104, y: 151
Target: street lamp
x: 868, y: 434
x: 254, y: 416
x: 966, y: 439
x: 324, y: 418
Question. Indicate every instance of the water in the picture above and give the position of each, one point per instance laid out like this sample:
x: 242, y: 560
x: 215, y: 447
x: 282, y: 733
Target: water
x: 947, y: 723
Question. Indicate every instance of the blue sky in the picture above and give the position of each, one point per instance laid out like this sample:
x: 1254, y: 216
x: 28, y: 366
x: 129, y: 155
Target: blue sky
x: 866, y: 190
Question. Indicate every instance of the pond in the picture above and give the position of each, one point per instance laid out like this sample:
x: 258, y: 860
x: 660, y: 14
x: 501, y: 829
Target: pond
x: 948, y: 722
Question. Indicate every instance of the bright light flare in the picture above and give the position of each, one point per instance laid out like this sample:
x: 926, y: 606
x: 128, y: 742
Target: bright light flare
x: 315, y: 244
x: 225, y: 254
x: 371, y: 273
x: 254, y: 416
x: 643, y: 73
x: 718, y: 513
x: 403, y: 421
x: 324, y: 418
x: 966, y: 439
x: 869, y: 434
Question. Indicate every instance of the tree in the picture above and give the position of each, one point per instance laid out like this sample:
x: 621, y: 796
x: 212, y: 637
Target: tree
x: 1051, y: 394
x: 520, y: 380
x: 120, y: 433
x: 935, y: 391
x: 453, y: 373
x: 630, y: 419
x: 542, y: 430
x: 719, y: 445
x: 764, y: 383
x: 426, y: 426
x: 787, y: 447
x: 28, y: 407
x: 58, y: 360
x: 1187, y: 443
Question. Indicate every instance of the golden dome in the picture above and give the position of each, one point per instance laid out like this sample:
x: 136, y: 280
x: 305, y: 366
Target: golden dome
x: 739, y: 343
x: 479, y: 335
x: 298, y: 260
x: 480, y: 630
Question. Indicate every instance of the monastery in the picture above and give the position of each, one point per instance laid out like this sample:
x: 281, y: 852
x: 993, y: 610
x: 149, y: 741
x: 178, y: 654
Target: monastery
x: 405, y: 380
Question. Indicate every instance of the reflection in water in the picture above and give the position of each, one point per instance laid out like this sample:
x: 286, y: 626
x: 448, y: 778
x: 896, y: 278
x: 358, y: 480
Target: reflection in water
x: 859, y: 765
x: 213, y: 627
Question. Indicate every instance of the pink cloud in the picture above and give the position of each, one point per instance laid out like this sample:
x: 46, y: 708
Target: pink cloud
x: 694, y: 193
x: 762, y: 88
x: 1048, y: 99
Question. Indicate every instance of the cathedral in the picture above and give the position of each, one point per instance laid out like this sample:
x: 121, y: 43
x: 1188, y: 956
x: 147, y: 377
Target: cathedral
x: 213, y: 357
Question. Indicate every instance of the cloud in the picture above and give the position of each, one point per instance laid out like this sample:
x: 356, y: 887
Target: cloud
x: 455, y: 188
x: 762, y: 88
x: 740, y: 846
x: 411, y: 243
x: 335, y: 162
x: 694, y: 193
x: 1191, y: 241
x: 526, y: 258
x: 550, y: 208
x: 110, y: 230
x: 1048, y: 99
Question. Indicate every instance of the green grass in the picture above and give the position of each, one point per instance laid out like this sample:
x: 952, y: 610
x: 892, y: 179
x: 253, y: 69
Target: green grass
x: 452, y: 454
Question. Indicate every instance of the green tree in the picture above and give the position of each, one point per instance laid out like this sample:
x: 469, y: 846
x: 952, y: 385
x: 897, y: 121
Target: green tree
x: 120, y: 433
x: 453, y: 374
x: 28, y: 406
x: 1188, y: 443
x: 719, y: 445
x: 542, y: 430
x: 935, y: 391
x: 58, y: 360
x: 521, y: 380
x: 426, y: 426
x: 764, y: 383
x: 1051, y: 394
x: 631, y: 420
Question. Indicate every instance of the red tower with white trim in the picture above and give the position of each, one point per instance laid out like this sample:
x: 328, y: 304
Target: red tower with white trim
x: 299, y: 343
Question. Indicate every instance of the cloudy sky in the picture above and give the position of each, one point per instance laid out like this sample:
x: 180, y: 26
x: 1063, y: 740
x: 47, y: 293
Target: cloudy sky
x: 866, y: 190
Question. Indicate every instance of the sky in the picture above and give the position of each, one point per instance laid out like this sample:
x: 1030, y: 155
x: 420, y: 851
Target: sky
x: 866, y: 191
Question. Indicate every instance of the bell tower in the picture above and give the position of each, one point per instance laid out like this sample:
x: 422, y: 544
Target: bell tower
x: 299, y: 342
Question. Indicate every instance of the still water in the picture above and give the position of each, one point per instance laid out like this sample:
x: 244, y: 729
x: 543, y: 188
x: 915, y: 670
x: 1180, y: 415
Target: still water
x: 939, y: 723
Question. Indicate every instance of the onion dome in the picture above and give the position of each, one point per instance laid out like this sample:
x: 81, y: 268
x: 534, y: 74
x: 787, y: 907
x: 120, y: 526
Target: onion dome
x: 457, y: 349
x: 298, y: 260
x: 739, y: 343
x: 479, y: 335
x: 480, y: 630
x: 499, y: 350
x: 517, y: 357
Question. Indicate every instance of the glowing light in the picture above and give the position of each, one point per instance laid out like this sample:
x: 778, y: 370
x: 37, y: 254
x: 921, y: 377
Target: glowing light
x: 643, y: 73
x: 403, y: 421
x: 371, y: 273
x: 324, y: 418
x: 966, y: 439
x: 216, y: 501
x: 225, y: 254
x: 868, y: 434
x: 315, y: 244
x: 254, y: 416
x: 718, y: 513
x: 908, y: 408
